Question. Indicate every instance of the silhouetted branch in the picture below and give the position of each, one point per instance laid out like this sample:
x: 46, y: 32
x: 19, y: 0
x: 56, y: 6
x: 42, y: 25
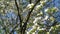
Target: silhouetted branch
x: 55, y: 22
x: 30, y: 1
x: 19, y: 15
x: 18, y: 11
x: 28, y: 16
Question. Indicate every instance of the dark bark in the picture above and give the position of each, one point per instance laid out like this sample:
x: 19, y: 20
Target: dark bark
x: 30, y: 1
x: 19, y: 15
x: 28, y: 16
x: 55, y: 22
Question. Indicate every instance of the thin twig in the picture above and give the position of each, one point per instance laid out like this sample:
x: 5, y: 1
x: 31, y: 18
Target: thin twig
x: 18, y: 11
x: 55, y: 22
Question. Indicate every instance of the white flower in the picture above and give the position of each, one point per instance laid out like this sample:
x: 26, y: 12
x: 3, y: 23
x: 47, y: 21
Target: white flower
x: 30, y: 5
x: 46, y: 0
x: 46, y: 10
x: 42, y: 2
x: 3, y: 5
x: 38, y: 6
x: 33, y: 33
x: 1, y: 10
x: 36, y: 19
x: 42, y: 29
x: 7, y: 2
x: 27, y: 32
x: 46, y: 17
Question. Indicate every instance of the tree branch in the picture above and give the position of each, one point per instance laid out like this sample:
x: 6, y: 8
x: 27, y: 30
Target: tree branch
x: 30, y: 1
x: 28, y: 16
x: 55, y: 22
x: 18, y: 11
x: 19, y: 15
